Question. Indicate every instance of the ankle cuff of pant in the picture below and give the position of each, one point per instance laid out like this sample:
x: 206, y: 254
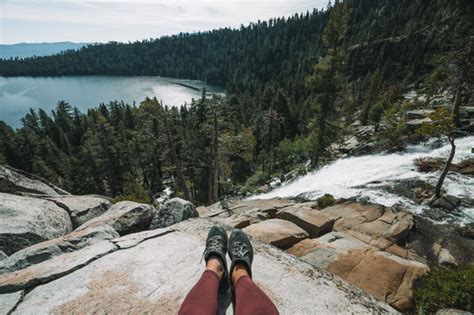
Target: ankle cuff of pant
x: 210, y: 272
x: 240, y: 278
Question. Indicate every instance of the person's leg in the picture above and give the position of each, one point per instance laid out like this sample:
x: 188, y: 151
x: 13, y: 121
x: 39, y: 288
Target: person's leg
x: 202, y: 299
x: 249, y: 298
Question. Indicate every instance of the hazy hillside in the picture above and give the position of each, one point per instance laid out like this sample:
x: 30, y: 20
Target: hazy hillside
x: 24, y: 50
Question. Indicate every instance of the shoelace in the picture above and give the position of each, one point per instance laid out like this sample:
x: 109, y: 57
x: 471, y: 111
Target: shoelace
x: 214, y: 244
x: 239, y: 249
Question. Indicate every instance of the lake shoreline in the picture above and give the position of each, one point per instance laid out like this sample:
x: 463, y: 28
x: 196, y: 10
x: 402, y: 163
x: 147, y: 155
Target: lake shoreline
x: 19, y: 94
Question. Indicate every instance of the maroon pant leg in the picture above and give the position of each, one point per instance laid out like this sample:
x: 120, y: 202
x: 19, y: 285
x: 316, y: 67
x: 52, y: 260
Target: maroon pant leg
x: 202, y: 299
x: 250, y: 300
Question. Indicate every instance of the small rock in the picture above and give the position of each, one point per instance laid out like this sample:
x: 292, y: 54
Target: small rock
x: 467, y: 230
x: 173, y: 211
x: 436, y: 248
x: 203, y: 211
x: 445, y: 258
x: 264, y: 188
x: 125, y: 217
x: 437, y: 214
x: 277, y: 232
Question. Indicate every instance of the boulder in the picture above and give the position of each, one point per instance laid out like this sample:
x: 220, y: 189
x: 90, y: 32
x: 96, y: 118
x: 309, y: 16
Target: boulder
x: 446, y: 202
x: 40, y: 252
x: 25, y: 221
x: 238, y: 221
x: 204, y: 211
x: 322, y: 251
x: 53, y: 268
x: 445, y: 258
x: 125, y: 217
x: 173, y: 211
x: 428, y: 238
x: 140, y: 279
x: 244, y: 213
x: 419, y: 113
x: 277, y: 232
x: 14, y: 181
x: 417, y: 123
x: 373, y: 224
x: 314, y: 222
x: 466, y: 167
x: 82, y: 208
x: 268, y: 206
x: 386, y: 276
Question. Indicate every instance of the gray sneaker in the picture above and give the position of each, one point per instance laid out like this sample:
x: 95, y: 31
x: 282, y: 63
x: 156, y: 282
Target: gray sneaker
x: 216, y: 247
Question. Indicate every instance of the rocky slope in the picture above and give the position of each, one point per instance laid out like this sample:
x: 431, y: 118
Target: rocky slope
x: 115, y: 263
x: 129, y: 257
x: 381, y: 250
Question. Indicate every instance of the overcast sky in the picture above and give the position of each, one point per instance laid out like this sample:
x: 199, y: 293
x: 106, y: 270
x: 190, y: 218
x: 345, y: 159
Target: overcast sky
x: 118, y: 20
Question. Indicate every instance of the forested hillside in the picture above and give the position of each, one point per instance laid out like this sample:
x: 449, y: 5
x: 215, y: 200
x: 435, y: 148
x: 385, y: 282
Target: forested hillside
x: 293, y: 86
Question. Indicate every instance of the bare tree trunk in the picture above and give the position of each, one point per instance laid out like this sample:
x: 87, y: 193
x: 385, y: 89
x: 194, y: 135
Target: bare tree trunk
x: 439, y: 185
x: 213, y: 182
x: 215, y: 188
x: 174, y: 156
x: 270, y: 141
x: 210, y: 186
x: 457, y: 105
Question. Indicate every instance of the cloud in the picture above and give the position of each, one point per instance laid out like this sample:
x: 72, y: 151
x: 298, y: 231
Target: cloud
x: 126, y: 20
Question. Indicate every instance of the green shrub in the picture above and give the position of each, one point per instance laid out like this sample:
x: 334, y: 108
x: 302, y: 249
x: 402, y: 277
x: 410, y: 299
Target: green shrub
x: 289, y: 153
x: 446, y: 288
x: 253, y: 182
x: 325, y: 201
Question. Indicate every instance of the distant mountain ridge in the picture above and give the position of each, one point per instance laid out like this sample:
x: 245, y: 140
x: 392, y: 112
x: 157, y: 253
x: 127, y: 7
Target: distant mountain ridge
x: 24, y: 50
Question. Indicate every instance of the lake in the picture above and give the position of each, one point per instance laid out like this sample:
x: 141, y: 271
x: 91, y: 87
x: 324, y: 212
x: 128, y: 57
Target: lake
x: 19, y: 94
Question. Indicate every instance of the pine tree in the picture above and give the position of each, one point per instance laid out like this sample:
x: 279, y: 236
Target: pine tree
x: 326, y: 82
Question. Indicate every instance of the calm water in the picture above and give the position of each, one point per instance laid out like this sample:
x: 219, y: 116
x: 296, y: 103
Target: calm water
x: 19, y: 94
